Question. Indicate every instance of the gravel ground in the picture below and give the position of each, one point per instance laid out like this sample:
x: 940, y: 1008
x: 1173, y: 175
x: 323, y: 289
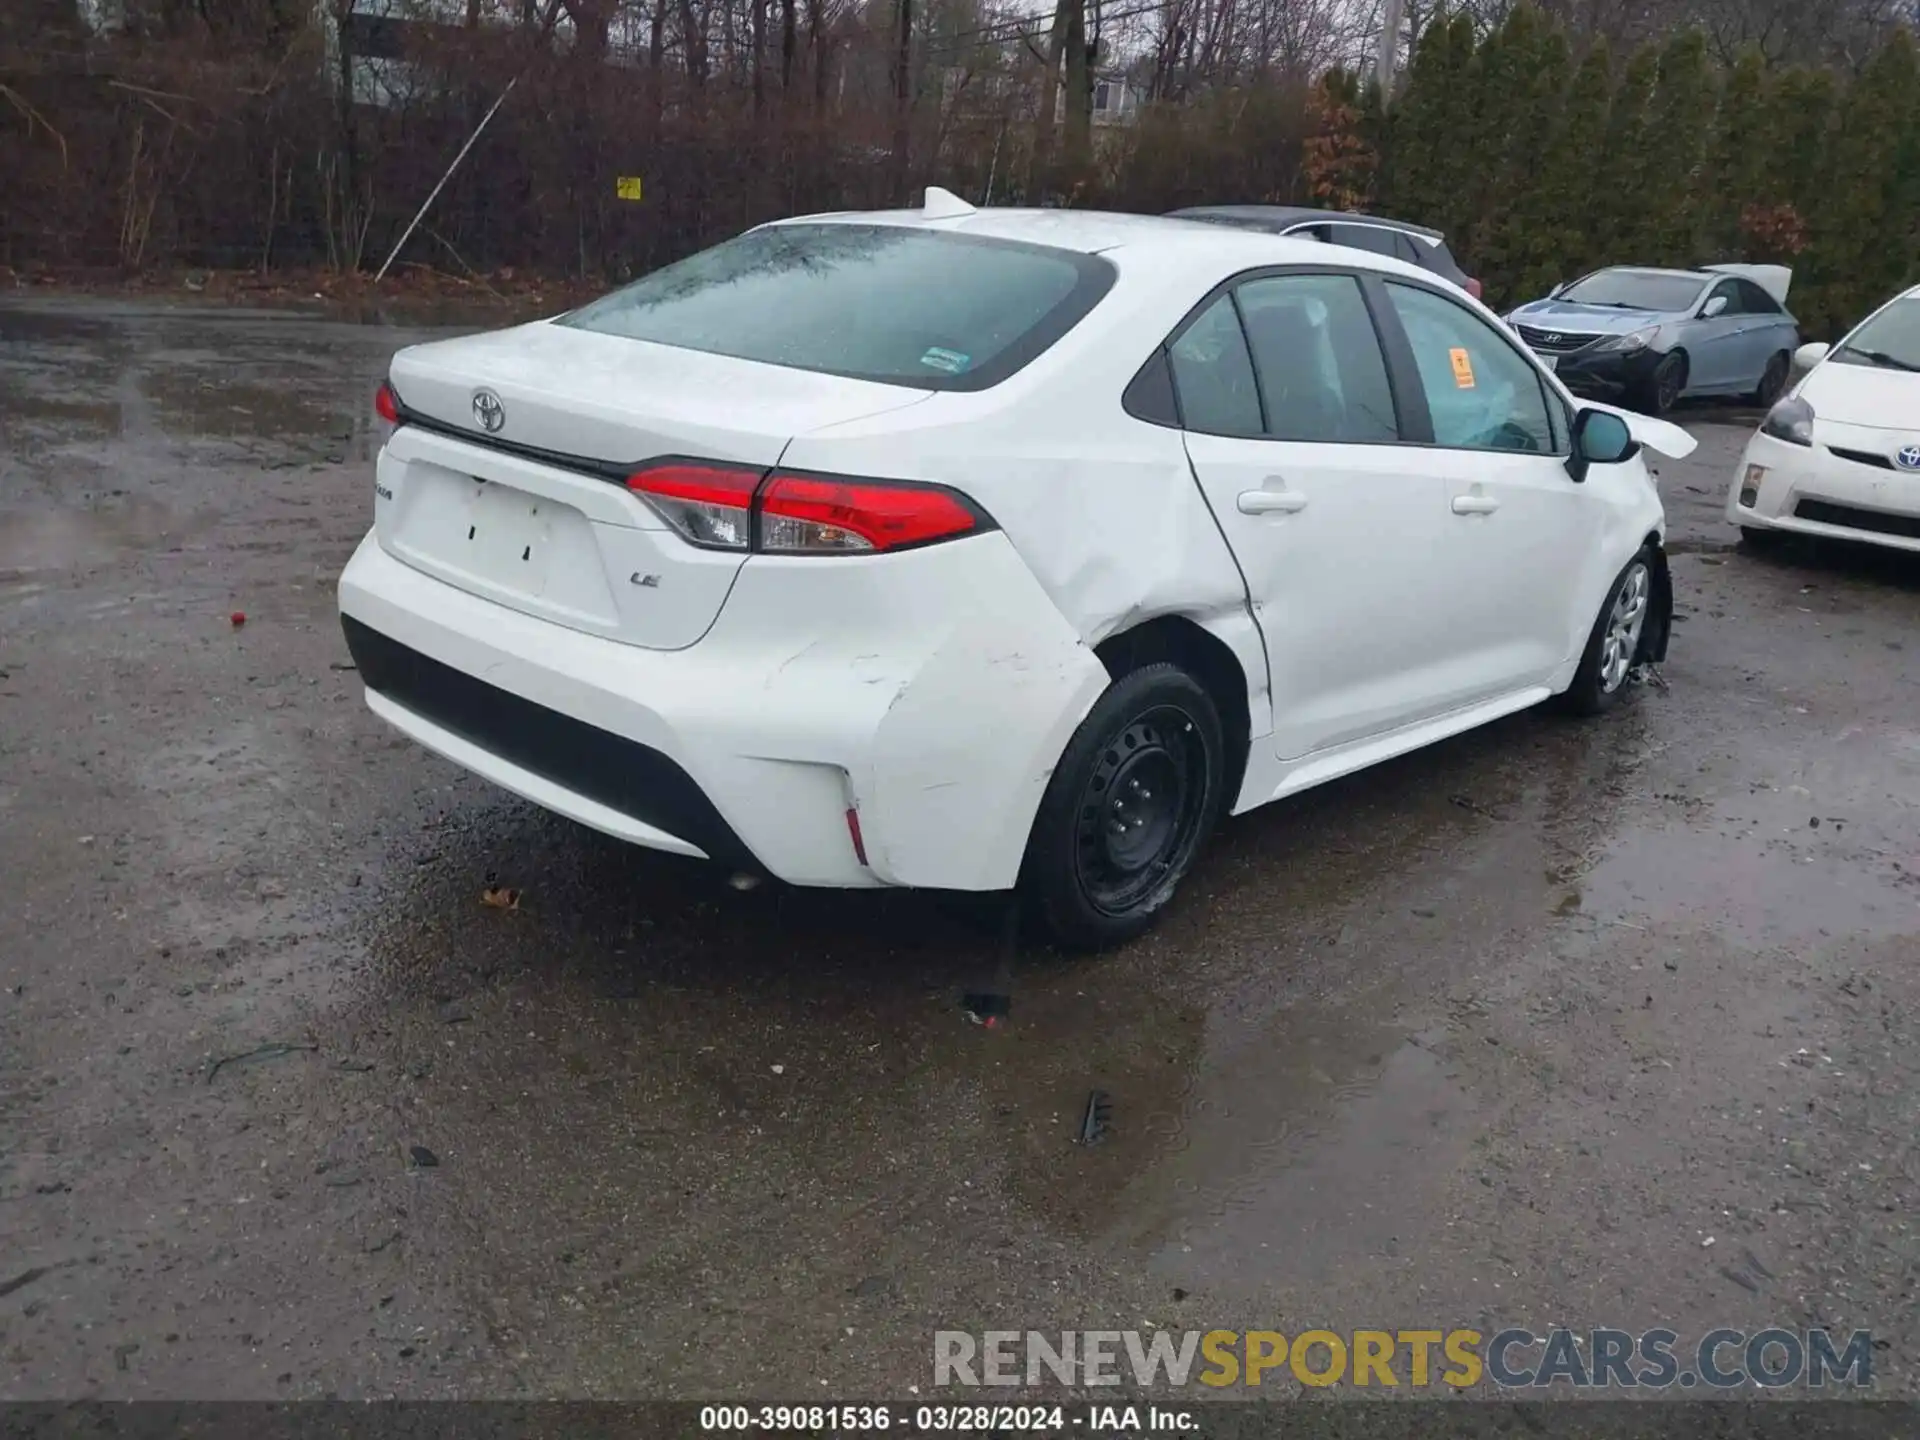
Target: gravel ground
x: 1610, y: 1024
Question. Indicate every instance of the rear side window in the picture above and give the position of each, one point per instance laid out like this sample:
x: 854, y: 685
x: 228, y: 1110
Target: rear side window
x: 1317, y: 356
x: 900, y: 306
x: 1213, y: 374
x: 1377, y: 238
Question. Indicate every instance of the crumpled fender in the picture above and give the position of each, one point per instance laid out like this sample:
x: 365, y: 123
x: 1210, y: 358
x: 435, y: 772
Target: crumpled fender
x: 1659, y: 626
x: 1667, y: 438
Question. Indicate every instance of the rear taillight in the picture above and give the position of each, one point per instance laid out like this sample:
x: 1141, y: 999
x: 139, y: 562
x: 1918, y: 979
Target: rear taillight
x: 809, y: 515
x: 386, y: 404
x: 1474, y: 288
x: 722, y: 507
x: 710, y: 505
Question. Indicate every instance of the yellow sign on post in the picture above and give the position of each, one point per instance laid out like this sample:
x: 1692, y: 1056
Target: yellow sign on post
x: 626, y: 187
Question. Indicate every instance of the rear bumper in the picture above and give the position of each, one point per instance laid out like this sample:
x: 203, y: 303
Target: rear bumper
x: 1812, y: 491
x: 932, y: 692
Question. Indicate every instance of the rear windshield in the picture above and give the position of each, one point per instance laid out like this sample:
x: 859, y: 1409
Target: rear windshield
x: 1636, y: 290
x: 902, y: 306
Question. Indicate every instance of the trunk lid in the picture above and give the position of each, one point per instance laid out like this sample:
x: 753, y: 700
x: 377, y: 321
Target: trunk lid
x: 511, y: 488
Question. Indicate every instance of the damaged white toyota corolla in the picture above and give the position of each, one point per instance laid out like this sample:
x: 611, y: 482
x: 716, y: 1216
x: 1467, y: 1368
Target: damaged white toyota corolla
x: 985, y: 550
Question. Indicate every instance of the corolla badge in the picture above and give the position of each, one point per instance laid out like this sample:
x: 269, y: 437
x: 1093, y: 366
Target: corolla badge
x: 1909, y: 458
x: 488, y: 410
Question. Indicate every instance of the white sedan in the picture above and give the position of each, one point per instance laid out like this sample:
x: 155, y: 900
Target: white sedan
x: 991, y: 550
x: 1840, y: 454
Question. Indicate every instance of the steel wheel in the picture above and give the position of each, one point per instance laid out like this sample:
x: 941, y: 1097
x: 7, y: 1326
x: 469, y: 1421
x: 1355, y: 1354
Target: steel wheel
x: 1142, y: 811
x: 1624, y: 623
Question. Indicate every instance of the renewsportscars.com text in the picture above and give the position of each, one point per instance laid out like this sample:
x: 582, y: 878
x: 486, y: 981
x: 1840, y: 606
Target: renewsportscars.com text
x: 1455, y: 1359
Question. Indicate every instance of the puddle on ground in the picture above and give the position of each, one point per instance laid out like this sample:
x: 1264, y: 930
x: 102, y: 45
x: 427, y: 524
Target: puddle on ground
x: 58, y: 539
x: 1295, y: 1145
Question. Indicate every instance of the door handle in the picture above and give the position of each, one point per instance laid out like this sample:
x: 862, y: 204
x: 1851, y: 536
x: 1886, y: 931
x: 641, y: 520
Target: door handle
x: 1474, y: 504
x: 1268, y: 502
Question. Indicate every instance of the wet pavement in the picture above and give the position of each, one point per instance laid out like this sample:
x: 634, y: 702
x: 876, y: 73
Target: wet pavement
x: 1607, y: 1024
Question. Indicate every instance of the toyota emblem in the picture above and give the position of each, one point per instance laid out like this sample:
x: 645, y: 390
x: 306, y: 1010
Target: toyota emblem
x: 488, y: 410
x: 1909, y: 458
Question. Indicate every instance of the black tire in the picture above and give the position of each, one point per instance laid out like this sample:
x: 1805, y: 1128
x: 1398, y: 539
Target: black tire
x: 1773, y: 380
x: 1134, y: 796
x: 1598, y: 685
x: 1661, y: 392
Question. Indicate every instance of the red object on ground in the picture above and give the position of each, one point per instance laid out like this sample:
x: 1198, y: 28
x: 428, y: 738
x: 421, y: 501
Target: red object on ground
x: 239, y: 618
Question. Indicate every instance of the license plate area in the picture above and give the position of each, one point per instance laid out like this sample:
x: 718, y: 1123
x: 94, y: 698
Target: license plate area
x: 510, y: 537
x: 529, y: 551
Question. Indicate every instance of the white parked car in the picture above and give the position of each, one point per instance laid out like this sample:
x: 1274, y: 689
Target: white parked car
x: 1840, y: 454
x: 987, y: 550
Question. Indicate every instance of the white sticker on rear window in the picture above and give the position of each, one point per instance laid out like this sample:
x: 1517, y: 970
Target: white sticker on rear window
x: 951, y: 361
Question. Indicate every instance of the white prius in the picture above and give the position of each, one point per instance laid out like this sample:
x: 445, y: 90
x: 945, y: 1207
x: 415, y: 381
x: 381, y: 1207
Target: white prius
x: 1840, y: 454
x: 991, y: 550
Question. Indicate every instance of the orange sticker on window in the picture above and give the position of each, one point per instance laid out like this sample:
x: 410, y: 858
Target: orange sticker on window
x: 1462, y: 369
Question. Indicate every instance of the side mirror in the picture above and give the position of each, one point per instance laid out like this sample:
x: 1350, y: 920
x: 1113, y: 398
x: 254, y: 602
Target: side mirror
x: 1599, y: 438
x: 1808, y: 356
x: 1713, y: 307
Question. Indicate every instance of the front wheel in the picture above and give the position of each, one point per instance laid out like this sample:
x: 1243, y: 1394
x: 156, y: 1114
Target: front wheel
x: 1134, y: 795
x: 1664, y: 386
x: 1773, y: 380
x: 1614, y: 643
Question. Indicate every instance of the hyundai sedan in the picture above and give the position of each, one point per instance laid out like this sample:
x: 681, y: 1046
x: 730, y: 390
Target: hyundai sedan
x: 1655, y: 337
x: 991, y: 550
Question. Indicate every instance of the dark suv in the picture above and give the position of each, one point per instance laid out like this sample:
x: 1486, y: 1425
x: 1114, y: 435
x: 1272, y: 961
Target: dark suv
x: 1413, y: 243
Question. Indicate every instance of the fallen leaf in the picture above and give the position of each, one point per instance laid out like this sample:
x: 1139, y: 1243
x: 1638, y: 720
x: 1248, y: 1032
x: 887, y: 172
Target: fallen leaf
x: 500, y: 897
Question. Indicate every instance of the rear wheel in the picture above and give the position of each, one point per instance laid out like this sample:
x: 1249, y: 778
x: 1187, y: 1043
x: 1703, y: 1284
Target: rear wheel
x: 1132, y: 799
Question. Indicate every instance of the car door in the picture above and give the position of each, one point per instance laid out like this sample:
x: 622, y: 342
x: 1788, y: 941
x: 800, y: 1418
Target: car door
x: 1518, y: 552
x: 1292, y: 428
x: 1713, y: 343
x: 1767, y: 331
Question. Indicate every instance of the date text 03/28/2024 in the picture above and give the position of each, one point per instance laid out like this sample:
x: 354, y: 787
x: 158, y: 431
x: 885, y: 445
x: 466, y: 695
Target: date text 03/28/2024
x: 937, y: 1419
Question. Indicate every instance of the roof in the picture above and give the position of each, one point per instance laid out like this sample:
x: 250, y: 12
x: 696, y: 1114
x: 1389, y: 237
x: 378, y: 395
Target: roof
x: 1094, y: 232
x: 1292, y: 215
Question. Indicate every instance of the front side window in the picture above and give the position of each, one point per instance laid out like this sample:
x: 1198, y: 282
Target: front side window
x: 1481, y: 394
x: 1754, y: 300
x: 1213, y: 374
x: 887, y: 303
x: 1318, y: 360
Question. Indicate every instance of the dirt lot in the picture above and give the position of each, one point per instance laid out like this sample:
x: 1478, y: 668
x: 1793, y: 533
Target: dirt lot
x: 1604, y: 1025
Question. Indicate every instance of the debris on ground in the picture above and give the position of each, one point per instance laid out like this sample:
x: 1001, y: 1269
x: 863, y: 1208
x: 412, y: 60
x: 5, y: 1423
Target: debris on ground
x: 24, y: 1279
x: 500, y: 897
x: 422, y: 1158
x: 1097, y: 1119
x: 237, y: 619
x: 277, y: 1050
